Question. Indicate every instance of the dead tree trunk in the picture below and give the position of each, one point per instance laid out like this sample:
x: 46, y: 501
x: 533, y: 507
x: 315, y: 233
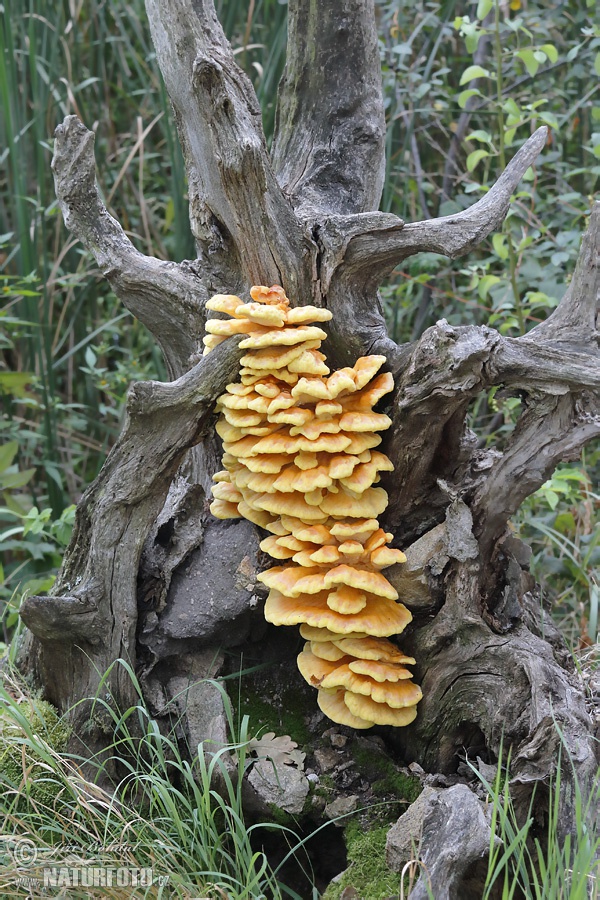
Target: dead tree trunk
x: 304, y: 216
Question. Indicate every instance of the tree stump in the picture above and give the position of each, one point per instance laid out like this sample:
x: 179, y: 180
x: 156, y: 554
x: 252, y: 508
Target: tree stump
x: 147, y: 564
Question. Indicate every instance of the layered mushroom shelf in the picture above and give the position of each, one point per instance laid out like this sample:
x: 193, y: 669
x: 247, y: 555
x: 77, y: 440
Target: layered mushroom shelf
x: 300, y: 462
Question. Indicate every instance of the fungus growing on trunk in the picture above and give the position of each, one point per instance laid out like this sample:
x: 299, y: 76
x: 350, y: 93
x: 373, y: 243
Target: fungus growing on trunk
x: 299, y: 461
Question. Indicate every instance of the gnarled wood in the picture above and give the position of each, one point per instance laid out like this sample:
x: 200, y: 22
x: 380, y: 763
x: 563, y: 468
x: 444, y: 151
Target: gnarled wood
x: 328, y: 149
x: 451, y: 365
x: 492, y: 686
x: 356, y: 253
x: 238, y: 213
x: 550, y: 430
x: 90, y: 619
x: 487, y: 672
x: 166, y: 297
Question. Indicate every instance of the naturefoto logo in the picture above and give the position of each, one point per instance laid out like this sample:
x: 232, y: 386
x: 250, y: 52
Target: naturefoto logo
x: 36, y: 867
x: 100, y: 876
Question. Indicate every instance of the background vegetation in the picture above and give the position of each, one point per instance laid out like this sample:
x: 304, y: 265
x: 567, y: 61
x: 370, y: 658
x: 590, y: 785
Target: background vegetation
x: 465, y: 83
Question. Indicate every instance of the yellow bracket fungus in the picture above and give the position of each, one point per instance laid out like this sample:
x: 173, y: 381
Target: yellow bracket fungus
x: 299, y: 461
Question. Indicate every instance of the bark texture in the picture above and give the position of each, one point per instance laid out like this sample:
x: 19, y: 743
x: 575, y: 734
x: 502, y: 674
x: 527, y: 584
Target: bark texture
x: 140, y: 572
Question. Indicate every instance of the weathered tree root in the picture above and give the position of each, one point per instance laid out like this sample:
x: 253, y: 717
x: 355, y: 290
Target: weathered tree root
x: 90, y: 619
x: 507, y: 696
x: 488, y: 675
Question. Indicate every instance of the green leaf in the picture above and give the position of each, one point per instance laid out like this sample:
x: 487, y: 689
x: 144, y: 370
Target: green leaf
x: 565, y: 523
x: 474, y: 158
x: 14, y: 505
x: 472, y: 40
x: 474, y: 72
x: 169, y: 214
x: 597, y: 63
x: 12, y: 320
x: 466, y: 95
x: 53, y: 473
x: 5, y: 536
x: 15, y: 383
x: 7, y: 454
x: 34, y: 521
x: 499, y: 245
x: 402, y: 49
x: 483, y: 8
x: 38, y: 585
x: 550, y: 119
x: 539, y: 299
x: 90, y: 358
x: 479, y: 135
x: 15, y: 479
x: 594, y: 605
x: 485, y: 284
x: 550, y: 51
x: 511, y: 108
x: 528, y: 57
x: 571, y: 475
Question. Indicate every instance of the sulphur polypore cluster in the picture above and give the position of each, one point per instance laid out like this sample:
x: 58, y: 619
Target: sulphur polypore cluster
x: 300, y: 462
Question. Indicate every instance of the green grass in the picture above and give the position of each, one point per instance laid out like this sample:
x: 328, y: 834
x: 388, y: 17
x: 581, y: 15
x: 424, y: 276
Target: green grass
x: 526, y: 864
x: 181, y: 816
x: 559, y: 522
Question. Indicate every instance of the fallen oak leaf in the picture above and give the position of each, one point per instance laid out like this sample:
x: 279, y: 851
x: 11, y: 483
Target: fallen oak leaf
x: 281, y: 750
